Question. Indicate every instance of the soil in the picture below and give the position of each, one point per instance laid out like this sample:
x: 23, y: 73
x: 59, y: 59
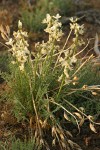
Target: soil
x: 9, y: 15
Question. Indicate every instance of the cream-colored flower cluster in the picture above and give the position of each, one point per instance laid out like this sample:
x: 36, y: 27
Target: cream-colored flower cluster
x: 69, y: 57
x: 65, y: 63
x: 78, y: 29
x: 55, y: 33
x: 53, y: 27
x: 45, y: 48
x: 19, y: 46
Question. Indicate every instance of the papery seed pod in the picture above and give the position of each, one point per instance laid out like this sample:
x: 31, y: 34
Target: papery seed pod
x: 94, y: 93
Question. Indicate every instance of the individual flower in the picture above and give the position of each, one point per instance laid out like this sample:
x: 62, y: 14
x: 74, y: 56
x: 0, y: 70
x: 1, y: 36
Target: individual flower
x: 60, y: 78
x: 19, y: 24
x: 73, y: 60
x: 21, y: 67
x: 66, y: 72
x: 57, y: 16
x: 13, y: 62
x: 48, y: 19
x: 73, y: 19
x: 10, y: 42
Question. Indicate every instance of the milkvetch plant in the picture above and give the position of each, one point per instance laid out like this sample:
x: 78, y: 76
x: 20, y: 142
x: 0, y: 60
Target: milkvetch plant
x: 40, y: 86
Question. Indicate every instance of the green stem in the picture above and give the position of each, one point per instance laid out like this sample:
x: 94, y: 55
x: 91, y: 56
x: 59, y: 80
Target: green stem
x: 60, y: 88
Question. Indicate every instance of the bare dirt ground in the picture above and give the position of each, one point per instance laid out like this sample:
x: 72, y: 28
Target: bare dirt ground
x: 9, y: 15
